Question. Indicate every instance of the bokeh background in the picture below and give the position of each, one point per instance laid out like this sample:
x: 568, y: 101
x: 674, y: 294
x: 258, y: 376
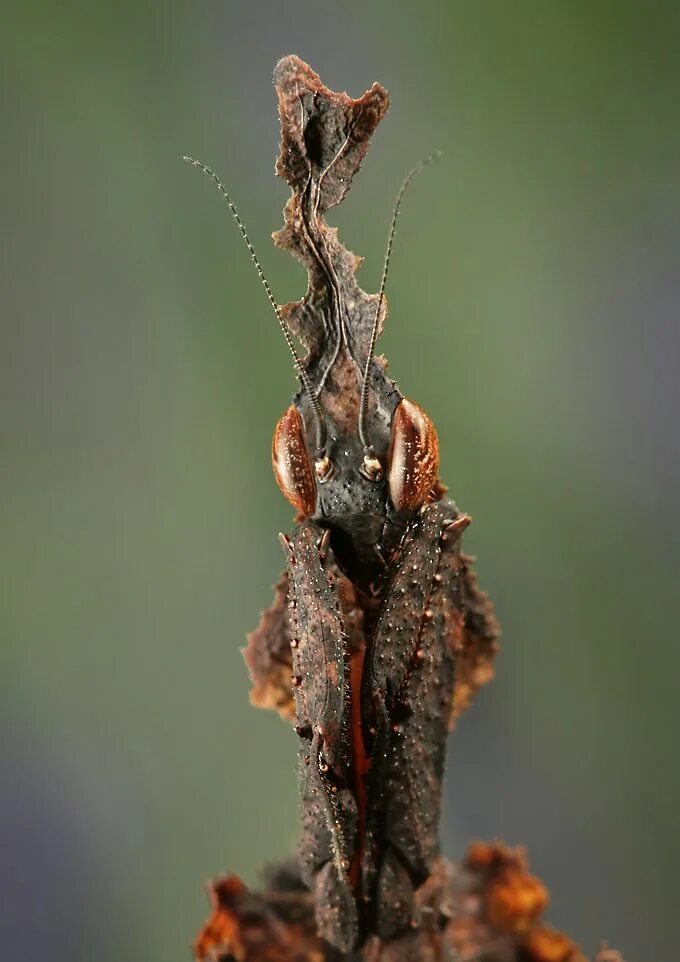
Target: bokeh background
x: 533, y: 310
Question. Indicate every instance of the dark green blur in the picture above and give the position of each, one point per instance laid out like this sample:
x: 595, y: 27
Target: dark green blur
x: 533, y: 313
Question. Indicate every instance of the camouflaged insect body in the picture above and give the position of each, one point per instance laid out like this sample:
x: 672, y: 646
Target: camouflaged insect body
x: 378, y: 631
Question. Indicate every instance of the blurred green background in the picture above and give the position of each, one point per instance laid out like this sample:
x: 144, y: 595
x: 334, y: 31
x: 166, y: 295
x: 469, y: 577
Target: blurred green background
x: 533, y: 313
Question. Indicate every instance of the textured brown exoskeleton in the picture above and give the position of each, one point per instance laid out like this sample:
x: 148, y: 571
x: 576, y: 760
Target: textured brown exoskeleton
x: 378, y: 634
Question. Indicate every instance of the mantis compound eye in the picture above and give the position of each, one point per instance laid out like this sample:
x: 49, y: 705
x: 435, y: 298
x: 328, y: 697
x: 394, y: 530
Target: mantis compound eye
x: 413, y: 458
x: 292, y: 464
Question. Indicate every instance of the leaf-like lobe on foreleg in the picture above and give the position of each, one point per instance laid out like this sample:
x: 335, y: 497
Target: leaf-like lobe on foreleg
x: 268, y: 657
x: 479, y: 641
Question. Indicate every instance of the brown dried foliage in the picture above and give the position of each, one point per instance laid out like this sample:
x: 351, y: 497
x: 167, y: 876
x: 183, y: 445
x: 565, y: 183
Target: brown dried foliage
x: 489, y: 908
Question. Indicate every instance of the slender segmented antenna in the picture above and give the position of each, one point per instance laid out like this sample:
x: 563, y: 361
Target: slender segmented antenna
x: 363, y: 406
x: 302, y: 374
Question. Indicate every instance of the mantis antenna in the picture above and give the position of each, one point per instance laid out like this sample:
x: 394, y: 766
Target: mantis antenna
x: 302, y: 374
x: 369, y: 454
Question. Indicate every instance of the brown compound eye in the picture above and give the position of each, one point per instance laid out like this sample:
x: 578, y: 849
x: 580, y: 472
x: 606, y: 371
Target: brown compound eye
x: 291, y: 462
x: 413, y: 459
